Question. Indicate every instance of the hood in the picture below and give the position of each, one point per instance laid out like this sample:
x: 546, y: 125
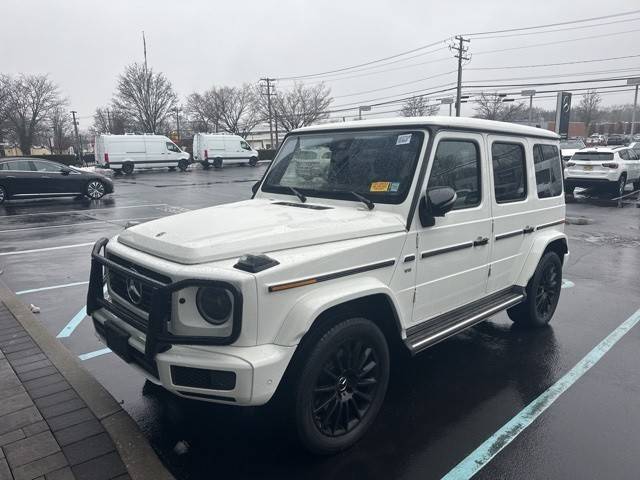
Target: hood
x: 253, y: 226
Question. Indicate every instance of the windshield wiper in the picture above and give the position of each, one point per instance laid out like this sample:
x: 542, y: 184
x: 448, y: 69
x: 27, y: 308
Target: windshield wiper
x: 300, y: 196
x: 370, y: 205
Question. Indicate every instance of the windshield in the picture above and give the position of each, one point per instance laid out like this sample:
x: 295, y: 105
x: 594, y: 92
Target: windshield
x: 575, y: 144
x: 376, y: 164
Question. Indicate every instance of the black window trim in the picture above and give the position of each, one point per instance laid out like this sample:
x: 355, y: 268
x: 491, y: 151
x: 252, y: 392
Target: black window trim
x: 533, y: 158
x: 434, y: 147
x: 526, y: 173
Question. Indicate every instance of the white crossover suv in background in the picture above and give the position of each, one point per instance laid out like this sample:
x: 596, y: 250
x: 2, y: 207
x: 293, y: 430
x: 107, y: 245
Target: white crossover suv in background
x: 413, y: 230
x: 606, y: 168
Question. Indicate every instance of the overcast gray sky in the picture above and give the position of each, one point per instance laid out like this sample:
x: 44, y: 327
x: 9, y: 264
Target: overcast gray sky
x: 84, y: 44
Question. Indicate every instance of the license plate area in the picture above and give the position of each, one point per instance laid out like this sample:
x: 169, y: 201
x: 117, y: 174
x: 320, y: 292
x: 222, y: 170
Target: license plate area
x: 588, y: 168
x: 118, y: 340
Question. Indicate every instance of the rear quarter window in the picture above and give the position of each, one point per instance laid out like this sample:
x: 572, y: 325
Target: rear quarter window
x: 509, y: 172
x: 546, y: 160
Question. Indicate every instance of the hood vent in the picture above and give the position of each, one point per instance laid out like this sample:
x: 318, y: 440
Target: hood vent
x: 302, y: 205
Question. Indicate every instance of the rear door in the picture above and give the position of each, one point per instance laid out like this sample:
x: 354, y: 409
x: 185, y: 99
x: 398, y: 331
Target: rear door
x: 22, y: 178
x: 514, y: 209
x: 453, y: 255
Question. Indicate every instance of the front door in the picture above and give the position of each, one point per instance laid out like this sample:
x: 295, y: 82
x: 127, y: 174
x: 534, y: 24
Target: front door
x: 453, y: 255
x: 23, y: 179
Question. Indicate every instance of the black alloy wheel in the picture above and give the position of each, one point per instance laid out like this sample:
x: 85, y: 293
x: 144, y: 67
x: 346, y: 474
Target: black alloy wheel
x: 3, y: 194
x: 548, y: 291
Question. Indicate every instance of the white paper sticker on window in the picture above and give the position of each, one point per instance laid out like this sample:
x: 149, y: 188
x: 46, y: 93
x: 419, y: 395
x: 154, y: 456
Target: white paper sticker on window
x: 403, y: 139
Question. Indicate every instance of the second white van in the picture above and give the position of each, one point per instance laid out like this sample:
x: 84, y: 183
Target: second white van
x: 218, y: 148
x: 124, y: 153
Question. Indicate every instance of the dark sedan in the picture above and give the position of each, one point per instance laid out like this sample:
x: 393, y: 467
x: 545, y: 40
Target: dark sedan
x: 25, y: 177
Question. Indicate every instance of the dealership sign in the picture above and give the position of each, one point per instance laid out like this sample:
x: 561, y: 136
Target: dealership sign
x: 563, y: 112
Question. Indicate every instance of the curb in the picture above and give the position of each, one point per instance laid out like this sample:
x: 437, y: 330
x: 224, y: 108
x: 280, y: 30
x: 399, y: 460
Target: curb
x: 140, y: 459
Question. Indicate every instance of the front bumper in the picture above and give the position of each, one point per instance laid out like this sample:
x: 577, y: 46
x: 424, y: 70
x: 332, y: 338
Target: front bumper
x: 200, y: 367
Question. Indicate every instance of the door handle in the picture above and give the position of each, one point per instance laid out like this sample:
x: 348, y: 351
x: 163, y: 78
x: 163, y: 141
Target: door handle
x: 480, y: 241
x: 528, y: 229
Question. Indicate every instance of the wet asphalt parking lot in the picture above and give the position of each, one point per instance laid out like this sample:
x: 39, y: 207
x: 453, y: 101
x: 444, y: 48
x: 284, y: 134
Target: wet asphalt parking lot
x: 544, y: 404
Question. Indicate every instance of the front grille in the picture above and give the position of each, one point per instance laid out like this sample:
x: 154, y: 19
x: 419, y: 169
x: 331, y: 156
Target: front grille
x: 118, y: 283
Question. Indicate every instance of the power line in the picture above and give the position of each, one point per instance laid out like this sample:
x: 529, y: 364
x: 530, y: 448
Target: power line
x: 318, y: 74
x: 592, y: 80
x: 554, y: 64
x: 482, y: 52
x: 558, y: 24
x: 559, y: 75
x: 396, y: 85
x: 626, y: 20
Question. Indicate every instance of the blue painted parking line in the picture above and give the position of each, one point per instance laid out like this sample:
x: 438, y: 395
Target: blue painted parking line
x: 97, y: 353
x: 514, y: 427
x: 52, y: 287
x: 73, y: 323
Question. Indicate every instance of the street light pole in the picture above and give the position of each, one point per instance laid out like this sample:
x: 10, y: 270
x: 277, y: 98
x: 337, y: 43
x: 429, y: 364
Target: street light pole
x: 530, y: 94
x: 635, y: 107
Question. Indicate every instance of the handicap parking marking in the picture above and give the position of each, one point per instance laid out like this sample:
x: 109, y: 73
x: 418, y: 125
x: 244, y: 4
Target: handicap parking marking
x: 482, y: 455
x: 73, y: 323
x: 52, y: 287
x: 97, y: 353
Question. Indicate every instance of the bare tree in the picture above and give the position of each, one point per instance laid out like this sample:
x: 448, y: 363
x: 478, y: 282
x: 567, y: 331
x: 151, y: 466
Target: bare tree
x: 110, y: 120
x: 238, y: 109
x: 146, y: 96
x: 202, y: 109
x: 491, y: 106
x: 30, y: 99
x: 4, y: 92
x: 588, y: 110
x: 419, y: 106
x: 61, y: 125
x: 301, y: 105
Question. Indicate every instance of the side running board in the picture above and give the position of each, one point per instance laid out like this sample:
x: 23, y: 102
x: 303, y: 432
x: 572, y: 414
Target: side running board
x: 448, y: 324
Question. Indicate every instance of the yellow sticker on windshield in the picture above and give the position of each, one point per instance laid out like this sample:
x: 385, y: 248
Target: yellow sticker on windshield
x: 379, y: 186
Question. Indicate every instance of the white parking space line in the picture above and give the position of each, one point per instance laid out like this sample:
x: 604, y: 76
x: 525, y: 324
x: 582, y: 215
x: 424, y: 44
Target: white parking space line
x: 47, y: 249
x: 482, y: 455
x: 13, y: 230
x: 73, y: 323
x: 52, y: 287
x: 87, y: 210
x: 97, y: 353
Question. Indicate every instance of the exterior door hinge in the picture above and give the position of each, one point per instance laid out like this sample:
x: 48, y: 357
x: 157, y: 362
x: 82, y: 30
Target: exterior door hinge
x: 417, y: 241
x: 414, y: 296
x: 489, y: 274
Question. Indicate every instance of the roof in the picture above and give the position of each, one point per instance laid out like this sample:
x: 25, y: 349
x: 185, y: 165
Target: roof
x: 450, y: 122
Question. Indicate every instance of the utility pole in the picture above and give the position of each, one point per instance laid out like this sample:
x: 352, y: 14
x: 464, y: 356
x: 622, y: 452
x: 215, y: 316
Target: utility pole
x: 75, y: 128
x: 460, y: 55
x: 178, y: 122
x: 636, y: 82
x: 144, y: 46
x: 530, y: 94
x: 268, y: 82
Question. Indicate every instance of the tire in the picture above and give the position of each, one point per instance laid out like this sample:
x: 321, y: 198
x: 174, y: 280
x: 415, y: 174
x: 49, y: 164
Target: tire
x: 543, y: 293
x: 3, y: 194
x: 183, y: 165
x: 95, y: 189
x: 618, y: 188
x: 172, y: 169
x: 253, y: 161
x: 569, y: 190
x: 127, y: 168
x: 636, y: 184
x: 217, y: 163
x: 341, y: 385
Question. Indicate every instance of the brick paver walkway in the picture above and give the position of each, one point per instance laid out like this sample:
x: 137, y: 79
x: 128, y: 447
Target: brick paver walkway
x: 46, y: 430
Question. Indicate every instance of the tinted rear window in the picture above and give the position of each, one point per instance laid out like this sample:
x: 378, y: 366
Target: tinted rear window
x: 593, y: 156
x: 509, y: 172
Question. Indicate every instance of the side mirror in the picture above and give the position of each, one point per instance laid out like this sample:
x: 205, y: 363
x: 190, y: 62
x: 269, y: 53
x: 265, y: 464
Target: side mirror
x: 65, y: 171
x: 436, y: 203
x: 255, y: 187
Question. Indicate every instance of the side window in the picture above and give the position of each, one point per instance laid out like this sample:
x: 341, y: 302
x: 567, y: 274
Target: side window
x: 509, y: 172
x: 548, y: 170
x: 4, y: 166
x: 623, y: 155
x: 21, y: 166
x: 632, y: 154
x: 172, y: 148
x: 245, y: 145
x: 457, y: 165
x: 47, y: 167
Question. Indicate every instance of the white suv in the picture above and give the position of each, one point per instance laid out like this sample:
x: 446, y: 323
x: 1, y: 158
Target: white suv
x: 417, y: 229
x: 609, y: 168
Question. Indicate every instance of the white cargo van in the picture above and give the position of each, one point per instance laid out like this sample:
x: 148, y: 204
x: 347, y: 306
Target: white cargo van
x: 216, y: 148
x: 123, y: 153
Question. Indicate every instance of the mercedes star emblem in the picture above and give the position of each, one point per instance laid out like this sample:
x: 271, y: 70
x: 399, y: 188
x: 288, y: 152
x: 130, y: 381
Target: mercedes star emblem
x: 134, y: 290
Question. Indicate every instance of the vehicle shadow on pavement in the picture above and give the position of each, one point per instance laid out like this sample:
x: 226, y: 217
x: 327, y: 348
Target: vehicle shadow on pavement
x: 440, y: 405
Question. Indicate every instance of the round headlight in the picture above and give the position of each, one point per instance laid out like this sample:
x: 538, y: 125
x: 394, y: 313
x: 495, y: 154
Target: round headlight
x: 214, y: 304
